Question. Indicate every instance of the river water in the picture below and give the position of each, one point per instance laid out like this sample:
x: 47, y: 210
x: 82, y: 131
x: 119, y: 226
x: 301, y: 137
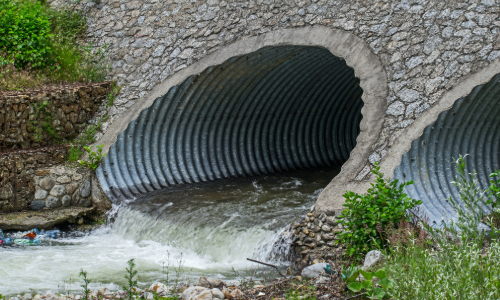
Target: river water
x: 204, y: 229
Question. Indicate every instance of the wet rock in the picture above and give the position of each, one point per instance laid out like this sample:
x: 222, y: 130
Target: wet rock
x: 42, y: 219
x: 85, y: 189
x: 41, y: 194
x: 314, y: 270
x: 47, y: 183
x: 53, y: 202
x: 58, y: 190
x: 66, y: 201
x: 372, y: 258
x: 37, y: 205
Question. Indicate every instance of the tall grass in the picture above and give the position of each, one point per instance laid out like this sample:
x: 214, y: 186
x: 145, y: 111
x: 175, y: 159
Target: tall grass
x: 458, y: 261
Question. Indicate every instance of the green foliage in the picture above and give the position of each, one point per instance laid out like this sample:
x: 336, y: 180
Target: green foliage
x: 374, y: 289
x: 42, y: 45
x: 25, y: 33
x: 85, y: 285
x: 494, y: 190
x: 115, y: 90
x: 366, y: 216
x: 131, y: 283
x: 46, y: 124
x: 94, y: 157
x: 74, y: 153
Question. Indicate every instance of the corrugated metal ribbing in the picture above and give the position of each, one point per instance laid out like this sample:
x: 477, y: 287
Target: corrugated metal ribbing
x: 470, y: 127
x: 276, y: 109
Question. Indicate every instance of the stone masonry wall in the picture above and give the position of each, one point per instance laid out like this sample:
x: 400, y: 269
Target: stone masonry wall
x: 17, y: 172
x: 39, y: 118
x: 427, y: 47
x: 62, y: 186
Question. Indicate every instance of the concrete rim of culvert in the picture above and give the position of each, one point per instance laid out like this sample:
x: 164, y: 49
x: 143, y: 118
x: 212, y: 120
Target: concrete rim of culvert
x: 357, y: 54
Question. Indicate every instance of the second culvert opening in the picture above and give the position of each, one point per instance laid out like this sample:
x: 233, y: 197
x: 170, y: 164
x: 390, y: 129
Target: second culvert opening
x: 277, y: 109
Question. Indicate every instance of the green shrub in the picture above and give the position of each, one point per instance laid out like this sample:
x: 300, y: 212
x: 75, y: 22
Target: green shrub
x: 367, y: 216
x: 94, y: 157
x: 374, y: 289
x: 26, y: 33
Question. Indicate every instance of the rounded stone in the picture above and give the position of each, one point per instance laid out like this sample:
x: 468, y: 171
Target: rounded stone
x: 85, y: 189
x: 63, y: 179
x: 47, y: 183
x: 66, y: 201
x: 53, y: 202
x: 58, y: 190
x: 77, y: 177
x: 70, y: 188
x: 37, y: 205
x: 41, y: 194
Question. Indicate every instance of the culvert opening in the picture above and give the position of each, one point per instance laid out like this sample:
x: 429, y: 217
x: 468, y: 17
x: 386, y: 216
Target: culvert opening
x: 469, y: 127
x: 278, y: 109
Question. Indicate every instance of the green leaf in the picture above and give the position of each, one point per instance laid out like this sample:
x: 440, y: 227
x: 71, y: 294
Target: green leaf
x: 386, y: 283
x: 380, y: 274
x: 378, y: 293
x: 355, y: 286
x: 366, y: 275
x: 367, y: 284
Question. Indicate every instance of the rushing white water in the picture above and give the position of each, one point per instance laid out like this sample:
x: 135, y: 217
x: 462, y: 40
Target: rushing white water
x: 207, y: 228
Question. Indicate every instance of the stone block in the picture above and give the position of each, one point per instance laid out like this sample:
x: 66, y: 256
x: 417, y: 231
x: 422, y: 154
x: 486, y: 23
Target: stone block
x: 85, y: 189
x: 85, y: 202
x: 58, y: 190
x: 37, y: 205
x: 66, y: 201
x: 41, y: 194
x: 63, y: 179
x: 53, y: 202
x: 47, y: 183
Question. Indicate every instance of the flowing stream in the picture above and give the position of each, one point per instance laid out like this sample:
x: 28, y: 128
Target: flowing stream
x: 183, y: 232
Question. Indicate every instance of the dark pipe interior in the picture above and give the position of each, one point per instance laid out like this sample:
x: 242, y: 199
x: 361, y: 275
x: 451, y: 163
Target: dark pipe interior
x: 470, y: 127
x: 277, y: 109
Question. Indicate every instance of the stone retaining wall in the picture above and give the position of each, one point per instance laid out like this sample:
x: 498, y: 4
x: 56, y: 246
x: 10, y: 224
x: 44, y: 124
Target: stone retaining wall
x: 39, y: 118
x: 315, y: 237
x: 62, y: 186
x: 17, y: 171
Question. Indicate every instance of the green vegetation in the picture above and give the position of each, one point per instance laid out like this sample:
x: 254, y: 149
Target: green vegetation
x: 40, y: 45
x: 367, y: 216
x: 373, y: 289
x: 85, y: 285
x: 131, y: 283
x: 94, y: 157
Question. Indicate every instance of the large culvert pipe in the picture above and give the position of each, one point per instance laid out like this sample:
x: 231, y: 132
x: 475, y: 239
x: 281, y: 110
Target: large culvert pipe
x: 277, y: 109
x: 470, y: 127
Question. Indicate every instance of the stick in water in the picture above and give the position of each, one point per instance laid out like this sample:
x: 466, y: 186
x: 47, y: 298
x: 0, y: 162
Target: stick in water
x: 269, y: 265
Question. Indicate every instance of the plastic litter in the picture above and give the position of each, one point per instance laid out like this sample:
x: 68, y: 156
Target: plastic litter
x: 31, y: 237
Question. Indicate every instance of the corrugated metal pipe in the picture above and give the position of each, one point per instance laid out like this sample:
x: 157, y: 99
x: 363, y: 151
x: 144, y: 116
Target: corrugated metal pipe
x: 277, y: 109
x: 470, y: 127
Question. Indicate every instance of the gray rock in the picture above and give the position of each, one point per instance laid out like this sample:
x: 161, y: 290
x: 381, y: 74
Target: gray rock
x: 66, y: 200
x: 203, y: 282
x: 314, y: 270
x: 63, y: 179
x: 326, y: 228
x: 53, y: 202
x: 85, y: 202
x: 85, y: 189
x: 214, y: 282
x: 41, y: 194
x: 197, y: 293
x: 58, y: 190
x: 396, y: 109
x: 217, y: 294
x: 37, y: 205
x: 148, y: 296
x: 372, y: 258
x: 47, y: 183
x: 408, y: 95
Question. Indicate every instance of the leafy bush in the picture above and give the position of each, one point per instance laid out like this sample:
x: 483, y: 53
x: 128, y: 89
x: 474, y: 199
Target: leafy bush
x: 374, y: 289
x: 366, y: 216
x: 25, y: 33
x: 40, y: 45
x: 94, y: 157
